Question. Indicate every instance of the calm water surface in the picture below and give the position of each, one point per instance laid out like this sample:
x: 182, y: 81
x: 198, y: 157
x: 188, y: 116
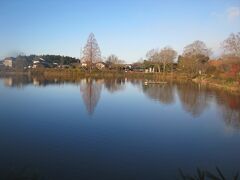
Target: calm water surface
x: 115, y: 129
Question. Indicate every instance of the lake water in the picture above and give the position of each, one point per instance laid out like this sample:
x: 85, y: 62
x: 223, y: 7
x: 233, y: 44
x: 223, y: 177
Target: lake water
x: 115, y: 129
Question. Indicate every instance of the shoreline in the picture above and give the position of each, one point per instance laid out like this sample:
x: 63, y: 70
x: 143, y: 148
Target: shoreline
x: 220, y: 84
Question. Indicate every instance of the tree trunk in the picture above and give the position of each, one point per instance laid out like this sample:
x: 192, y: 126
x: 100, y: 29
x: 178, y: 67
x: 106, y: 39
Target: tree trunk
x: 159, y: 70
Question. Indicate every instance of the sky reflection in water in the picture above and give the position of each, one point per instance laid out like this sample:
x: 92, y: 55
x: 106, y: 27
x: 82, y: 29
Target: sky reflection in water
x: 116, y: 128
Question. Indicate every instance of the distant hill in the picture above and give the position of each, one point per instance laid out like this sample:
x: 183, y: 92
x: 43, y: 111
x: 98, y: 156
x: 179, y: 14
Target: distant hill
x: 21, y: 62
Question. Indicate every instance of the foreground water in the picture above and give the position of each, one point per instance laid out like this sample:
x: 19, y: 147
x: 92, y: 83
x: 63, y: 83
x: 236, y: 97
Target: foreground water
x: 115, y: 129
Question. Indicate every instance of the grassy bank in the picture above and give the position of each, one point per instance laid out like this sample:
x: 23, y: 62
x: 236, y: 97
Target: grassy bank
x: 76, y: 74
x: 219, y: 83
x: 107, y: 74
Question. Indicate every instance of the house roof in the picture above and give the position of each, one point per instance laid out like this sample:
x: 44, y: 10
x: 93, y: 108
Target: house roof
x: 101, y: 63
x: 10, y: 58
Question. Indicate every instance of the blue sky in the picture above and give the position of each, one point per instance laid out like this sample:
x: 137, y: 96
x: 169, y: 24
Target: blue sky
x: 127, y: 28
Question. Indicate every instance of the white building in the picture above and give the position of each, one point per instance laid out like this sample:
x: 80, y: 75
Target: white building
x: 8, y: 62
x: 84, y: 64
x: 100, y: 65
x: 37, y: 62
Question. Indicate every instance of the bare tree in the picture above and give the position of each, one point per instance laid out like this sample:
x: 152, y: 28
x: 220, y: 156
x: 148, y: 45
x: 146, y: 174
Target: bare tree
x: 153, y: 57
x: 167, y: 56
x: 91, y: 52
x: 161, y: 58
x: 113, y: 61
x: 194, y: 57
x: 196, y: 48
x: 231, y: 45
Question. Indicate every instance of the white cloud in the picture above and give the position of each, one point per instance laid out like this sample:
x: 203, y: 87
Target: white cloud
x: 233, y: 13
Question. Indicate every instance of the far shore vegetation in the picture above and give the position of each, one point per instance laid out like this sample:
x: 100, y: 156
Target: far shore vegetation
x: 195, y: 64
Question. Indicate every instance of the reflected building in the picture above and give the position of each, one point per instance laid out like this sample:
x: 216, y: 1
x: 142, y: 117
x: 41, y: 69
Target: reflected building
x: 8, y: 82
x: 91, y: 91
x: 19, y: 81
x: 163, y: 93
x: 36, y: 82
x: 16, y: 81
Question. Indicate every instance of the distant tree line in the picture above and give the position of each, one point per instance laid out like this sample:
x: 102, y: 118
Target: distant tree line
x: 23, y: 61
x: 195, y: 60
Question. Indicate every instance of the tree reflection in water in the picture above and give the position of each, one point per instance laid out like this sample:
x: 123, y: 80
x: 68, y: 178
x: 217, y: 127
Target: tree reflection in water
x: 160, y: 92
x: 91, y: 92
x: 193, y: 97
x: 114, y: 85
x: 229, y: 108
